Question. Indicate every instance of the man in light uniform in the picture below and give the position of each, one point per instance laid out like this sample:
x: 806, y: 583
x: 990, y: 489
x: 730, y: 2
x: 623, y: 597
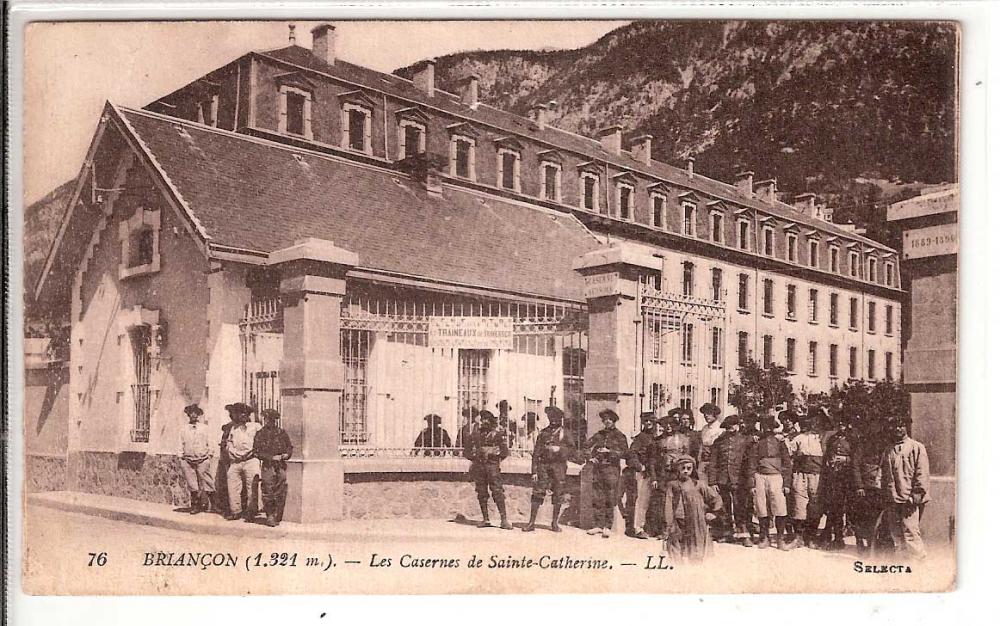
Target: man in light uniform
x: 197, y: 461
x: 244, y: 467
x: 905, y: 474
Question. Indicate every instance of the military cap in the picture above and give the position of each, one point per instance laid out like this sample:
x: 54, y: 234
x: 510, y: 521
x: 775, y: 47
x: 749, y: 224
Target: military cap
x: 487, y: 416
x: 240, y: 408
x: 608, y: 414
x: 710, y: 409
x: 684, y: 458
x: 647, y: 416
x: 193, y: 409
x: 674, y: 412
x: 731, y: 420
x: 554, y: 413
x: 789, y: 415
x: 270, y: 414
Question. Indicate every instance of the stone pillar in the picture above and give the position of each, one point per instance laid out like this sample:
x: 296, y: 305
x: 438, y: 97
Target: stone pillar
x: 613, y: 278
x: 313, y: 284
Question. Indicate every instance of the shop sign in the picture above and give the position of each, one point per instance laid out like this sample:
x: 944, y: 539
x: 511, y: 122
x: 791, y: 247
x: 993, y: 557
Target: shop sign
x: 483, y: 333
x: 600, y: 285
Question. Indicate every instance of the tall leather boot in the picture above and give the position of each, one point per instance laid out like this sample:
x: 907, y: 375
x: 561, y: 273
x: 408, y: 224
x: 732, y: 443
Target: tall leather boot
x: 195, y: 507
x: 502, y: 508
x: 484, y: 506
x: 555, y: 518
x: 535, y: 504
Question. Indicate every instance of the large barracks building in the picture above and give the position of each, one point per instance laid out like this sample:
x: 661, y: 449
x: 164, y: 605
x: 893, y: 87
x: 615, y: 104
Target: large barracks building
x: 368, y: 254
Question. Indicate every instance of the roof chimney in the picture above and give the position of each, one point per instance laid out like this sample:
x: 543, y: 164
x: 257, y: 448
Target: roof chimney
x: 540, y: 115
x: 291, y: 34
x: 470, y: 91
x: 744, y: 184
x: 690, y: 166
x: 805, y: 203
x: 423, y: 78
x: 325, y: 42
x: 642, y: 148
x: 611, y: 138
x: 769, y: 191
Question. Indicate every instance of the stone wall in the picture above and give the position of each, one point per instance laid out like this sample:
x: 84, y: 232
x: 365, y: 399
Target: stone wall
x: 135, y: 475
x: 442, y: 496
x: 44, y: 473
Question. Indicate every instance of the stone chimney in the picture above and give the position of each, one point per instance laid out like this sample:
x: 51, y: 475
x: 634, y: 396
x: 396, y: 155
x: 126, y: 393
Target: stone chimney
x: 611, y: 138
x: 291, y: 34
x: 768, y: 190
x: 540, y: 115
x: 642, y: 148
x: 690, y: 167
x: 325, y: 43
x: 470, y: 91
x: 805, y: 203
x: 424, y: 78
x: 744, y: 184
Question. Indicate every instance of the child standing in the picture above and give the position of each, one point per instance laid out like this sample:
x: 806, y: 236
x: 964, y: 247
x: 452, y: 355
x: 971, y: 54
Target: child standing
x: 767, y: 470
x: 690, y: 505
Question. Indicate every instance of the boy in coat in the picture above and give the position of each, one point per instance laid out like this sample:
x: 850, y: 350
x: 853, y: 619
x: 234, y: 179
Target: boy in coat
x: 767, y: 470
x: 606, y: 449
x: 548, y: 466
x: 487, y: 447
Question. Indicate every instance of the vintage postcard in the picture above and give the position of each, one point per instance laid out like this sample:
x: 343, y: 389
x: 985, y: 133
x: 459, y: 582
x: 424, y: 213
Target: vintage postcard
x: 382, y: 307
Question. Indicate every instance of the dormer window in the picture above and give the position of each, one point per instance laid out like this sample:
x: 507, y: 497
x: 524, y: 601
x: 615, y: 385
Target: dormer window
x: 589, y: 188
x: 296, y: 112
x: 890, y: 273
x: 659, y: 208
x: 551, y: 175
x: 743, y: 234
x: 463, y: 157
x: 689, y: 217
x: 872, y: 270
x: 835, y: 259
x: 716, y: 227
x: 854, y: 263
x: 813, y: 253
x: 509, y: 171
x: 356, y: 127
x: 412, y: 138
x: 768, y: 241
x: 792, y: 250
x: 626, y: 198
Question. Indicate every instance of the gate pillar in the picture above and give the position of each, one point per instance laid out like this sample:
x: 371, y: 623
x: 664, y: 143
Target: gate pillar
x: 613, y: 281
x: 313, y: 284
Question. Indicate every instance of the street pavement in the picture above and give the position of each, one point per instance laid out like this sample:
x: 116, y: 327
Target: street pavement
x: 63, y: 551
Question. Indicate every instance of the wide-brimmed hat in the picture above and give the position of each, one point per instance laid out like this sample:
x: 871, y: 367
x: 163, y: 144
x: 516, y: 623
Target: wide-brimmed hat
x: 710, y: 409
x: 240, y: 408
x: 270, y: 414
x: 788, y: 415
x: 731, y: 420
x: 608, y: 414
x: 432, y: 418
x: 554, y: 413
x: 193, y: 409
x: 487, y: 416
x: 899, y: 420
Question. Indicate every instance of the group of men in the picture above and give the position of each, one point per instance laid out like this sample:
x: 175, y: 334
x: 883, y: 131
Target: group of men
x: 788, y: 470
x: 252, y: 459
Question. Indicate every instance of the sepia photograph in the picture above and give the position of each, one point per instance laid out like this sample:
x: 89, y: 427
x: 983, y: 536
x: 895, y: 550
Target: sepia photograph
x: 524, y: 306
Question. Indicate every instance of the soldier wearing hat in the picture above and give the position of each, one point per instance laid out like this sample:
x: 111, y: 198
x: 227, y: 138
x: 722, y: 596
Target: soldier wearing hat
x: 548, y: 466
x: 724, y: 474
x: 243, y: 472
x: 637, y: 480
x: 273, y: 448
x: 767, y: 471
x: 837, y: 480
x: 905, y: 484
x: 606, y: 449
x: 197, y: 461
x: 487, y: 446
x: 806, y: 450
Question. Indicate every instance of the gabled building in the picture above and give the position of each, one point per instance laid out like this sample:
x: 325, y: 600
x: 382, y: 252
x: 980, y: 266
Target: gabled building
x: 365, y: 252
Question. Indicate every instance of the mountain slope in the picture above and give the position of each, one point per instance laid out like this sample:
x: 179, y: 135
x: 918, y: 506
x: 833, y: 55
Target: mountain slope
x: 816, y: 104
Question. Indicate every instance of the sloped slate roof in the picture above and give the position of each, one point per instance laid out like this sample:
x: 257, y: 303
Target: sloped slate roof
x: 257, y: 195
x: 562, y: 139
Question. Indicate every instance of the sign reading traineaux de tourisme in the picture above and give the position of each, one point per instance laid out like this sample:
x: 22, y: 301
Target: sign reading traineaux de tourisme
x: 484, y: 333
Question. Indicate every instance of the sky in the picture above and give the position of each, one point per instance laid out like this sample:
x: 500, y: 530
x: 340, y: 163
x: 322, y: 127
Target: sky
x: 71, y: 69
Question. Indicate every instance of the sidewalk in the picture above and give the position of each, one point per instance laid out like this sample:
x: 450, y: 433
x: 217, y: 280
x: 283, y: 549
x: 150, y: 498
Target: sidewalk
x: 171, y: 517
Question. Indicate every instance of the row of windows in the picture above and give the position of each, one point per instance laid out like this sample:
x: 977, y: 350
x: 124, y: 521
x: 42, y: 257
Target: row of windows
x: 356, y: 135
x: 812, y: 358
x: 813, y: 306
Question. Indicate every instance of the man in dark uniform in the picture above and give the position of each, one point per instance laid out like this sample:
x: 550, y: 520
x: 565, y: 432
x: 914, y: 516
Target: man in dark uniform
x: 272, y: 446
x: 636, y: 479
x: 487, y: 446
x: 724, y: 474
x: 606, y: 449
x: 548, y: 466
x: 836, y: 483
